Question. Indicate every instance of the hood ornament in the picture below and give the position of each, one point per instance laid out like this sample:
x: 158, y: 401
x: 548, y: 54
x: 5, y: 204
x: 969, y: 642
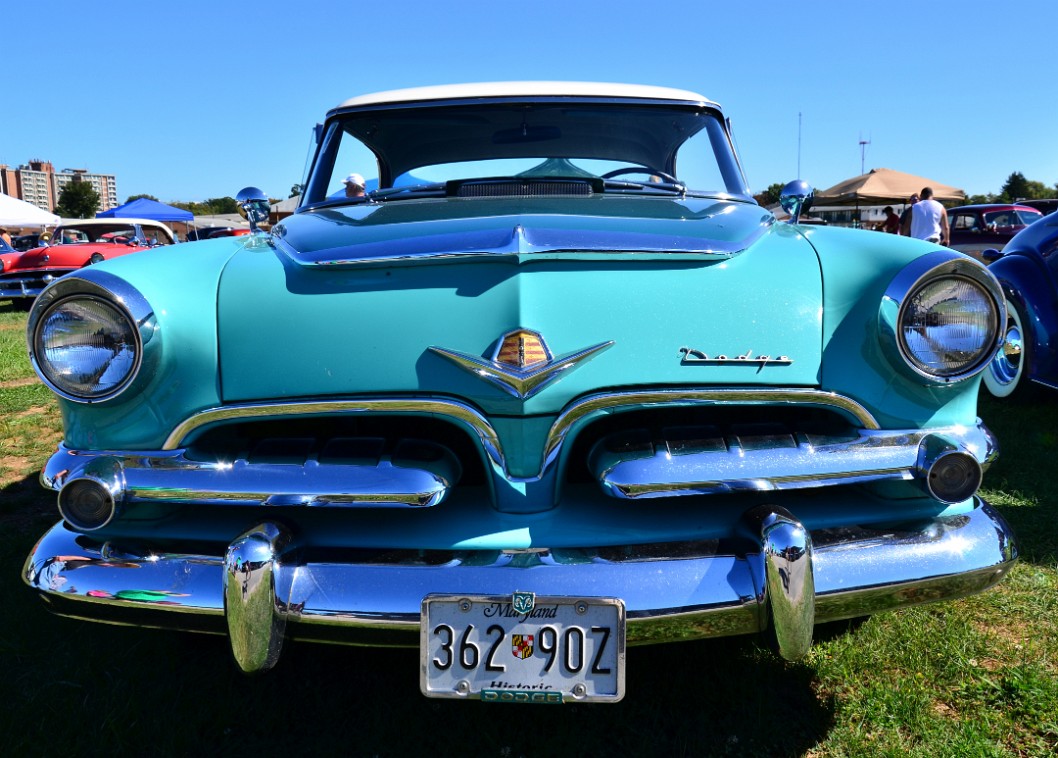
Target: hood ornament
x: 522, y: 364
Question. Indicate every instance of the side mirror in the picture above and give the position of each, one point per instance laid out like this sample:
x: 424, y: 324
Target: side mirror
x: 796, y: 198
x: 253, y: 206
x: 991, y: 255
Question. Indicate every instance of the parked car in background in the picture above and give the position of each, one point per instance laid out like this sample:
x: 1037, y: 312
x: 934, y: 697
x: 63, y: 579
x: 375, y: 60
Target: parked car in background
x: 1027, y: 269
x: 208, y: 232
x: 1045, y: 207
x: 25, y: 242
x: 8, y: 256
x: 976, y: 228
x: 571, y: 389
x: 77, y: 243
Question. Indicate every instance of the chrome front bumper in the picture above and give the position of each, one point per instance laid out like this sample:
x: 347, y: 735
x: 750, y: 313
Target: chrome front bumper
x: 27, y: 286
x: 775, y: 576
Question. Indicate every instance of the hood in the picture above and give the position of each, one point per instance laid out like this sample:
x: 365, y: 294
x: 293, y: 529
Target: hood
x: 680, y: 290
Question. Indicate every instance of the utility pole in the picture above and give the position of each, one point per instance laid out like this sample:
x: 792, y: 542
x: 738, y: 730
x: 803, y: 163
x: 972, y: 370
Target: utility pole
x: 863, y: 153
x: 798, y: 144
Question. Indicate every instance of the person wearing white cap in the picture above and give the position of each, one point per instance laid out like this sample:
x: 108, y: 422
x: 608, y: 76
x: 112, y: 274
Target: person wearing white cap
x: 354, y: 185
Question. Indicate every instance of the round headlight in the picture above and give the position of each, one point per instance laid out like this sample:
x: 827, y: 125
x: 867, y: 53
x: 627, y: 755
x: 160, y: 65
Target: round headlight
x: 948, y: 326
x: 86, y: 347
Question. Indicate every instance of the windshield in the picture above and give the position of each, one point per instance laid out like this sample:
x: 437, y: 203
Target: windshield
x: 622, y: 147
x: 1012, y: 217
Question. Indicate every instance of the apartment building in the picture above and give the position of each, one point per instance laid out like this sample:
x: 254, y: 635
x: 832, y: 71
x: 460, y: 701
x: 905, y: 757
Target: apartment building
x: 38, y: 182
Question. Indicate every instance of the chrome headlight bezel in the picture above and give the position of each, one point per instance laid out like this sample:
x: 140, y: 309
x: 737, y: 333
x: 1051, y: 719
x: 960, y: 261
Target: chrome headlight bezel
x: 923, y: 272
x: 117, y: 294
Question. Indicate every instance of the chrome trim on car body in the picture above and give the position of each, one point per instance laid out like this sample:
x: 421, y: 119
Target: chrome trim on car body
x: 526, y: 382
x: 92, y: 282
x: 796, y: 462
x: 710, y: 589
x: 576, y: 412
x: 523, y: 245
x: 256, y: 622
x: 15, y: 287
x: 392, y: 481
x: 871, y: 455
x: 789, y: 584
x: 938, y: 264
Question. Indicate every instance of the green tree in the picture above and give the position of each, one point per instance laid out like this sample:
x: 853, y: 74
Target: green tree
x: 221, y: 205
x: 296, y: 190
x: 77, y: 200
x: 1017, y: 187
x: 769, y: 196
x: 130, y: 198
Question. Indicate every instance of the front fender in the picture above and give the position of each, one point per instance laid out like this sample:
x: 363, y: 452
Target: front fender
x: 1027, y: 286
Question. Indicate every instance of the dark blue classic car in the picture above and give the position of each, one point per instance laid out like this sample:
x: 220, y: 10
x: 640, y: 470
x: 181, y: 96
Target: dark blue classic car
x: 1027, y: 269
x: 553, y: 384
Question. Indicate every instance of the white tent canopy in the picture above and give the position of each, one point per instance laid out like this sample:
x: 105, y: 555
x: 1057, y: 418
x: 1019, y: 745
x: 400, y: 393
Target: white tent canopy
x: 16, y: 213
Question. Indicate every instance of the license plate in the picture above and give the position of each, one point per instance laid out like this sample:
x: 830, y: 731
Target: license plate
x: 522, y: 648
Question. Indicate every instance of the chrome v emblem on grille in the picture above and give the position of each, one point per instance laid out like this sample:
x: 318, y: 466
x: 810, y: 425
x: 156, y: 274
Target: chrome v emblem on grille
x: 521, y: 365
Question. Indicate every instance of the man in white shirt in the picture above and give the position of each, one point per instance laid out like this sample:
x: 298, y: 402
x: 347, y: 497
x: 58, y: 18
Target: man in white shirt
x: 928, y: 219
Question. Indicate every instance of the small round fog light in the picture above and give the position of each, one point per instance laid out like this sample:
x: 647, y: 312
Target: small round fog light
x: 86, y: 504
x: 954, y: 477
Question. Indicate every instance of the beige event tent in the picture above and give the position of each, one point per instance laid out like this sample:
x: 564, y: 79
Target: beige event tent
x: 883, y: 185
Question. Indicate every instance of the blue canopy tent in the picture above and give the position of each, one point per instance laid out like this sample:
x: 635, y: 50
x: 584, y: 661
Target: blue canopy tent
x: 145, y: 208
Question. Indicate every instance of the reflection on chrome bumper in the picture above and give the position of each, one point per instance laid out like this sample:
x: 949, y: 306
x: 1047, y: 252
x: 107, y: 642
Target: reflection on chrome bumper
x: 261, y: 589
x: 27, y: 286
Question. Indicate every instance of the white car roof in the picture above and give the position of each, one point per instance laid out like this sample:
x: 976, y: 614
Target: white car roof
x: 146, y: 223
x: 110, y: 221
x: 527, y: 89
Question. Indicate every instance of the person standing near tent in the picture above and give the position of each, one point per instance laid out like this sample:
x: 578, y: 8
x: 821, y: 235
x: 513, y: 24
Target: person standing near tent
x: 5, y: 236
x: 928, y: 220
x: 905, y: 216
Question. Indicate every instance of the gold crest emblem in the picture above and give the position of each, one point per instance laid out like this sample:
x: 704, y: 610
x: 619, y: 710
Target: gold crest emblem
x: 521, y: 363
x: 522, y: 349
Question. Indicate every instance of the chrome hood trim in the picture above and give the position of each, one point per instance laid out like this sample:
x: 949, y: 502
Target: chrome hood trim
x: 460, y: 230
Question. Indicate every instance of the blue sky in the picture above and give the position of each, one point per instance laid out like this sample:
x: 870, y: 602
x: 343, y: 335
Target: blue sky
x: 192, y: 100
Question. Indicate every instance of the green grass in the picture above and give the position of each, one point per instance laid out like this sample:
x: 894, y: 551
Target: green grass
x: 977, y: 677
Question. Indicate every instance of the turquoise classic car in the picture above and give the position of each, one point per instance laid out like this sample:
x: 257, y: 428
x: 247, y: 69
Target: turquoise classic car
x: 551, y: 385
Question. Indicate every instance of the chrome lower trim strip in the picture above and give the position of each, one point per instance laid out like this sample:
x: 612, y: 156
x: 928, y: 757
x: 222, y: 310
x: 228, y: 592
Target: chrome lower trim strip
x: 708, y: 590
x: 392, y: 480
x: 159, y: 476
x: 793, y: 462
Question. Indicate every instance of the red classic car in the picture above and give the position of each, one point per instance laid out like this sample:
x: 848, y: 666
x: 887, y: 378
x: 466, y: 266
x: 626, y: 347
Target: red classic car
x: 976, y: 228
x: 75, y: 244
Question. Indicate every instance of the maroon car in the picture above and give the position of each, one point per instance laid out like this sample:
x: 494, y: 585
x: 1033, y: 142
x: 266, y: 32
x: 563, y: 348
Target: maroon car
x: 75, y: 244
x: 976, y: 228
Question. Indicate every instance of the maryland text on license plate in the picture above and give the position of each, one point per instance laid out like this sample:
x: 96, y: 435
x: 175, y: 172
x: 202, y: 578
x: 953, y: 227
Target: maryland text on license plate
x: 522, y: 648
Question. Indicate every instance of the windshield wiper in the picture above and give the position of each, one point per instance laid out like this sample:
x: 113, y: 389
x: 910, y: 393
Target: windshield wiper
x: 661, y: 188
